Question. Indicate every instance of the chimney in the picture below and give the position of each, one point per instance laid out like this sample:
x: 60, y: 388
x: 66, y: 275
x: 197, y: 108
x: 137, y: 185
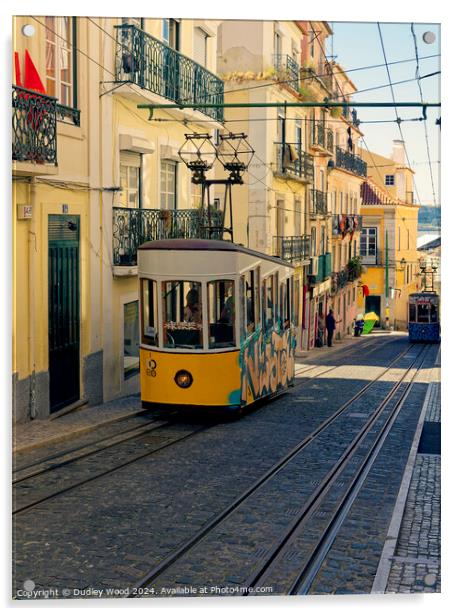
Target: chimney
x: 398, y: 151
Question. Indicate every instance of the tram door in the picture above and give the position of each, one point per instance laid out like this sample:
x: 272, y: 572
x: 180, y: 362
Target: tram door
x: 64, y: 310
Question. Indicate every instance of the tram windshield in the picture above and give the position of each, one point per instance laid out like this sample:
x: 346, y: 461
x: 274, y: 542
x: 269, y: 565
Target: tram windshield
x: 182, y: 314
x: 221, y: 308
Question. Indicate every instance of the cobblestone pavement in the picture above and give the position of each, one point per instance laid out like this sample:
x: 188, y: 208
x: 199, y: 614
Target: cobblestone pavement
x: 109, y: 532
x: 416, y: 565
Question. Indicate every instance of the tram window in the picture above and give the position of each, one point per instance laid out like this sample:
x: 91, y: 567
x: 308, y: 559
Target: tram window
x: 434, y: 314
x: 221, y: 309
x: 295, y: 301
x: 423, y: 314
x: 182, y: 314
x: 412, y: 313
x: 149, y: 312
x: 251, y: 292
x: 269, y: 302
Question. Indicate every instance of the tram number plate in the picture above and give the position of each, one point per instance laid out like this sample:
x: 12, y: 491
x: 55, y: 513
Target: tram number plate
x: 151, y: 367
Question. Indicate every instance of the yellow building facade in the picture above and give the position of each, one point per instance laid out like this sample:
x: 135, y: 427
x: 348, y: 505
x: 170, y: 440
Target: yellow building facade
x: 389, y: 238
x: 92, y: 179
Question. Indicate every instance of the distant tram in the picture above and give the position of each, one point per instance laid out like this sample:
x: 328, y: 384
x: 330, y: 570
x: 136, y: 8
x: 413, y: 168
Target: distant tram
x: 217, y: 324
x: 424, y: 325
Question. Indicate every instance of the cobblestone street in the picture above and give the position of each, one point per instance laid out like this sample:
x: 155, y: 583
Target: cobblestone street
x: 188, y: 502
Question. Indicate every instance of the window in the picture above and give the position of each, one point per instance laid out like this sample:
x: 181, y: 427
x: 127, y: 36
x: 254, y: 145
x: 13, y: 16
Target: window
x: 298, y: 134
x: 313, y: 241
x: 195, y: 195
x: 389, y: 180
x: 201, y: 42
x: 368, y: 247
x: 423, y: 313
x: 277, y: 45
x: 412, y: 312
x: 60, y: 59
x: 182, y: 314
x: 221, y: 309
x: 168, y: 185
x: 130, y: 179
x: 269, y: 311
x: 131, y: 339
x: 149, y: 312
x: 171, y: 31
x: 251, y: 293
x: 281, y: 125
x: 312, y: 43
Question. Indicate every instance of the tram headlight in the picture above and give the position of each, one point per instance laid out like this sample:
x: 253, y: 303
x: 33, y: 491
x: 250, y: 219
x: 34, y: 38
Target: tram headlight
x: 183, y: 379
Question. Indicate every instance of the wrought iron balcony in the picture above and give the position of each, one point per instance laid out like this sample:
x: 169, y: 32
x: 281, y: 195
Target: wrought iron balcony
x: 132, y: 227
x: 34, y: 127
x: 350, y: 162
x: 288, y: 69
x: 339, y: 280
x: 147, y: 62
x: 375, y: 257
x: 321, y: 137
x: 292, y: 248
x: 288, y: 165
x: 318, y: 202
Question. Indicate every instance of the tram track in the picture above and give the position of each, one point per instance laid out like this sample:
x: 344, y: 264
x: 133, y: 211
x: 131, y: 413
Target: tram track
x: 183, y: 549
x: 62, y: 460
x: 30, y: 505
x: 305, y: 577
x: 74, y: 454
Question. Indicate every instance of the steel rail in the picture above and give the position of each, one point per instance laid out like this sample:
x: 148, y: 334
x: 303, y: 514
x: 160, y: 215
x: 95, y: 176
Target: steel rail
x: 278, y: 466
x: 259, y: 577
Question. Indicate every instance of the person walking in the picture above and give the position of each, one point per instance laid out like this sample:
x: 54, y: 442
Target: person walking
x: 330, y: 326
x: 321, y: 326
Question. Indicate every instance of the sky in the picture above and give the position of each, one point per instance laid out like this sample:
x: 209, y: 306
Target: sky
x: 356, y: 45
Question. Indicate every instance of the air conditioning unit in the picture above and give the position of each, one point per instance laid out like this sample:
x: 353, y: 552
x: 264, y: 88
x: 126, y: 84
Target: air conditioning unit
x: 313, y: 266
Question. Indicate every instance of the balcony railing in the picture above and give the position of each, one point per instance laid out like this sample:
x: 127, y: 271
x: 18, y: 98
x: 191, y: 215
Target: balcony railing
x: 339, y: 280
x: 132, y: 227
x: 318, y: 202
x: 350, y: 162
x: 34, y: 127
x: 147, y: 62
x: 302, y: 168
x: 378, y: 258
x: 292, y: 248
x: 346, y: 223
x: 288, y: 69
x: 322, y: 137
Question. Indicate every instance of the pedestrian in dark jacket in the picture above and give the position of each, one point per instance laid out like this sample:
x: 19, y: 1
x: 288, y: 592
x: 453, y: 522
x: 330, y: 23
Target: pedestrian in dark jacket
x: 330, y: 326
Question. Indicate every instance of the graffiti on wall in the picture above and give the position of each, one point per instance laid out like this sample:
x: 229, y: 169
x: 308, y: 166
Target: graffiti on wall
x: 267, y: 363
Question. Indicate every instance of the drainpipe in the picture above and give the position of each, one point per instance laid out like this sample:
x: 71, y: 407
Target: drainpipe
x: 32, y: 277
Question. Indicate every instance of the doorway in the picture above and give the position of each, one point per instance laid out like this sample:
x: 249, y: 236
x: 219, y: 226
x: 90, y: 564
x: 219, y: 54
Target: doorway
x: 373, y: 303
x: 63, y: 310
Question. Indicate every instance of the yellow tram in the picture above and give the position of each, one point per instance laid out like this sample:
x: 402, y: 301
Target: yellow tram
x: 217, y: 324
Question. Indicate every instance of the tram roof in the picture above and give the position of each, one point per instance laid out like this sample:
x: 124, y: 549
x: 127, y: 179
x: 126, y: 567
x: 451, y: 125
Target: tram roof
x: 211, y: 245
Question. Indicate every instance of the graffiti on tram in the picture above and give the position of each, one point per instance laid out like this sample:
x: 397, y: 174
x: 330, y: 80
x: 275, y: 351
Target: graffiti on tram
x: 267, y: 363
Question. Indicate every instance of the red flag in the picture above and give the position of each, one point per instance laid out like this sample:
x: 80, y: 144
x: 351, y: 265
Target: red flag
x: 365, y: 289
x: 32, y: 79
x: 17, y: 69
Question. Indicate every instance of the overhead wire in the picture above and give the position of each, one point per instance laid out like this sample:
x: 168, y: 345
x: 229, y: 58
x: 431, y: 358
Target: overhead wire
x: 395, y: 106
x: 418, y: 78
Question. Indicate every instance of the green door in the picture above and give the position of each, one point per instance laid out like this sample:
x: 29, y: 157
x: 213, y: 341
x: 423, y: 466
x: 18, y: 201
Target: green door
x: 373, y: 303
x: 64, y: 310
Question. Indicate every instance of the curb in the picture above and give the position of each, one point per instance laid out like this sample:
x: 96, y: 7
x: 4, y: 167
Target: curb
x: 389, y: 547
x: 76, y: 432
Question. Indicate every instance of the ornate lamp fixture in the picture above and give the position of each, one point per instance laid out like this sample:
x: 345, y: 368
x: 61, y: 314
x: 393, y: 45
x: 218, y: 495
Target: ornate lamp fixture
x: 199, y: 154
x: 232, y: 147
